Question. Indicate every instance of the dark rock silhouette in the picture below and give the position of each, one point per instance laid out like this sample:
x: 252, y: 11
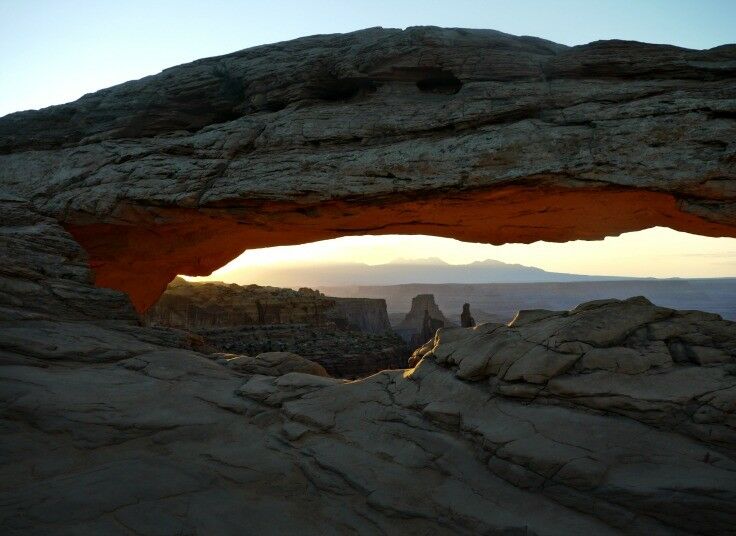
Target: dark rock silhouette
x: 349, y: 337
x: 429, y: 328
x: 422, y: 321
x: 466, y: 319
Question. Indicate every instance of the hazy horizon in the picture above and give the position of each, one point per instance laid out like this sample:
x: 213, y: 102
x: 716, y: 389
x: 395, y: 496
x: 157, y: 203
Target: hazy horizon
x: 657, y: 252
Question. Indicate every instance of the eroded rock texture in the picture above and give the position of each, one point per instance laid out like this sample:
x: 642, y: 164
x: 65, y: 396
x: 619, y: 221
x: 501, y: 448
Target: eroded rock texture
x: 471, y: 134
x: 422, y: 320
x: 274, y: 364
x: 197, y: 306
x: 350, y: 337
x: 621, y: 423
x: 672, y: 369
x: 633, y: 435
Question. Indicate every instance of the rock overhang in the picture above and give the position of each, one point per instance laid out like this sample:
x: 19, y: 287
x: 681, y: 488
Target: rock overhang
x: 470, y: 134
x: 606, y: 447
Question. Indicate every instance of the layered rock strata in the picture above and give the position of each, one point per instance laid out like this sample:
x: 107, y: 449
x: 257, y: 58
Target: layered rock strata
x: 201, y: 306
x: 367, y: 315
x: 350, y: 337
x: 634, y: 435
x: 112, y: 428
x: 197, y: 306
x: 471, y: 134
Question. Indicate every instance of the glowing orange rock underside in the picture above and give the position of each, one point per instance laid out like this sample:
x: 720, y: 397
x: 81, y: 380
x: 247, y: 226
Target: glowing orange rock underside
x: 141, y: 257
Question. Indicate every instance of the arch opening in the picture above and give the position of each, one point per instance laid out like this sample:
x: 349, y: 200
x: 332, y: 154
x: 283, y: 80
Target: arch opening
x: 144, y: 248
x: 357, y: 305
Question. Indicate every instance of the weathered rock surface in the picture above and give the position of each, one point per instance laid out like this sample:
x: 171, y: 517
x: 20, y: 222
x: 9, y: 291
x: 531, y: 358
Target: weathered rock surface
x: 198, y: 306
x: 350, y: 337
x: 344, y: 354
x: 275, y: 364
x: 618, y: 418
x: 471, y: 134
x: 656, y: 365
x: 93, y: 447
x: 109, y: 427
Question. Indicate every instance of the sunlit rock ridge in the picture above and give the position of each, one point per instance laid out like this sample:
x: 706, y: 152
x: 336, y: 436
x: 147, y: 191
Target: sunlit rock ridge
x: 612, y: 418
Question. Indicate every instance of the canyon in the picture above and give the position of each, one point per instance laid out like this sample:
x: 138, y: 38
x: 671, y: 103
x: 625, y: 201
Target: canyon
x: 612, y: 417
x: 499, y: 302
x: 196, y: 306
x: 349, y: 337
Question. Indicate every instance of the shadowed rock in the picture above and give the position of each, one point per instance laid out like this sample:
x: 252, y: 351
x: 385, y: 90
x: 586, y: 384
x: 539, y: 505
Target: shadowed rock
x: 466, y: 319
x: 197, y: 306
x: 613, y: 418
x: 275, y: 364
x: 422, y: 320
x: 350, y: 337
x: 471, y: 134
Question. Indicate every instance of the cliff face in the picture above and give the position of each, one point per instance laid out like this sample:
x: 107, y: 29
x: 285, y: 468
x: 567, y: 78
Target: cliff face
x: 197, y: 306
x: 422, y: 320
x: 420, y: 304
x: 349, y: 337
x: 368, y: 315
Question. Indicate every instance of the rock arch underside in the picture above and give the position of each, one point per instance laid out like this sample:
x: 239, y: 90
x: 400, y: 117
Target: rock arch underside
x: 616, y: 417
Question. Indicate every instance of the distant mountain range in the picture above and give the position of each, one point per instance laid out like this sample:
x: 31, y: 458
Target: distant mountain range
x: 403, y: 271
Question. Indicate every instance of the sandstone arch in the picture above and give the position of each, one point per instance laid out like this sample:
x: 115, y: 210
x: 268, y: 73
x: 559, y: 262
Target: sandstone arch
x: 471, y: 134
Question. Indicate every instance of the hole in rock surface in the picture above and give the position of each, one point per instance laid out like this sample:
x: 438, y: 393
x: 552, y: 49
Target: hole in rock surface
x: 440, y: 81
x: 335, y: 89
x: 143, y: 254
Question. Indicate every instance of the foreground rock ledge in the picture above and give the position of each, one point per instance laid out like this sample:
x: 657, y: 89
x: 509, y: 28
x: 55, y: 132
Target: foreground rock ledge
x: 108, y: 430
x: 471, y: 134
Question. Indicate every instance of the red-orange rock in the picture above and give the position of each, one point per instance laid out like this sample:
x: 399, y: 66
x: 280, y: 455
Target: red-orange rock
x: 471, y: 134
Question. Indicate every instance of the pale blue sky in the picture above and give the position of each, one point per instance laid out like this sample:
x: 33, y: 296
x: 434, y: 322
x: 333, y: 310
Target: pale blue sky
x: 55, y: 51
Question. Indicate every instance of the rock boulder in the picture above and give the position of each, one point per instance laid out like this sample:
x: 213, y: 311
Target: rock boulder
x: 275, y: 364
